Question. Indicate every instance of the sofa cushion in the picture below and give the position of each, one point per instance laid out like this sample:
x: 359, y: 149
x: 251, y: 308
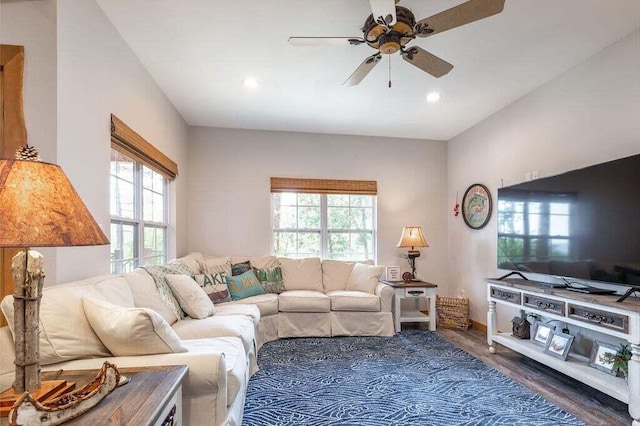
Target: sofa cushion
x: 218, y: 326
x: 357, y: 301
x: 191, y: 261
x: 131, y: 331
x: 244, y: 285
x: 270, y: 279
x: 215, y: 286
x: 215, y: 265
x: 266, y: 303
x: 65, y: 332
x: 191, y: 297
x: 146, y: 294
x: 335, y: 274
x: 238, y: 308
x: 303, y: 301
x: 302, y: 274
x: 364, y: 278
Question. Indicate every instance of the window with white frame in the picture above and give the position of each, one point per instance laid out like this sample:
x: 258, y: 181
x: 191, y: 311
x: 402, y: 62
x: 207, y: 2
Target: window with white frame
x: 327, y: 225
x: 138, y: 215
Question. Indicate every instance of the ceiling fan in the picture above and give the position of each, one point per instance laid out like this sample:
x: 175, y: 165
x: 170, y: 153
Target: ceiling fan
x: 390, y: 28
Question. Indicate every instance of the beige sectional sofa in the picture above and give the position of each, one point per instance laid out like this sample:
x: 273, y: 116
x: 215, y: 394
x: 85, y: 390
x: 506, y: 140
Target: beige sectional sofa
x: 320, y: 298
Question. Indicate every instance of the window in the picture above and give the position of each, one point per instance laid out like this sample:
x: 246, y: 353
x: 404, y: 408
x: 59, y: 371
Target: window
x: 139, y: 180
x: 534, y: 229
x: 138, y: 215
x: 327, y: 225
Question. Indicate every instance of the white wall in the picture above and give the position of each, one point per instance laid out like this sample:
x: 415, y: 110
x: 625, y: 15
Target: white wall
x: 229, y: 196
x: 33, y: 25
x: 589, y: 115
x: 98, y: 75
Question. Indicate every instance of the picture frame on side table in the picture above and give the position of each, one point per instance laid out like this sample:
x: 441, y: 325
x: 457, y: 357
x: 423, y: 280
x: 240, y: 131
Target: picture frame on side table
x: 602, y: 357
x: 559, y: 345
x: 540, y: 333
x: 393, y: 273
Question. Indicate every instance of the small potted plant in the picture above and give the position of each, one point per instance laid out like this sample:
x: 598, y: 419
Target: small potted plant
x: 621, y: 360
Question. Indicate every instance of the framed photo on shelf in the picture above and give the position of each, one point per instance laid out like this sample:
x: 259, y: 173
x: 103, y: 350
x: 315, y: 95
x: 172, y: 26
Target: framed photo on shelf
x: 540, y: 333
x: 559, y: 345
x: 602, y: 354
x: 393, y: 273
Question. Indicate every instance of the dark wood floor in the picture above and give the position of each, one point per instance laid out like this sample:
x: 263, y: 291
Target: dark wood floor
x: 585, y: 403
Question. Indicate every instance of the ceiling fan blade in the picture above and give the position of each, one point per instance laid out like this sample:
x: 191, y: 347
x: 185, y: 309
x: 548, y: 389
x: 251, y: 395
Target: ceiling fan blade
x: 426, y: 61
x: 385, y: 9
x: 324, y: 41
x: 468, y: 12
x: 361, y: 72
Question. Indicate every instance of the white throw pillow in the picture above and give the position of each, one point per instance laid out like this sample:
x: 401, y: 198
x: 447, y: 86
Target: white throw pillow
x: 364, y: 278
x: 131, y: 331
x: 191, y: 297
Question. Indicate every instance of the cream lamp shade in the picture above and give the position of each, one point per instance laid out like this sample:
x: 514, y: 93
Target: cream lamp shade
x: 412, y: 236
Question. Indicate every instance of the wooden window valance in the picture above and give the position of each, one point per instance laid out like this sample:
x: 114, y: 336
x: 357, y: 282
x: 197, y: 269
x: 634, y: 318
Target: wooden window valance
x: 126, y: 141
x: 324, y: 186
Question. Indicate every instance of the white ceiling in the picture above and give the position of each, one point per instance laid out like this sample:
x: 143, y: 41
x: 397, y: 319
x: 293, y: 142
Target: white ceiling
x: 200, y: 51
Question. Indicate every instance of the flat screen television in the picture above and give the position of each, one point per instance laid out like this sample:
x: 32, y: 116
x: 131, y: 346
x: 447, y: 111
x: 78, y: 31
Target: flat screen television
x: 582, y: 224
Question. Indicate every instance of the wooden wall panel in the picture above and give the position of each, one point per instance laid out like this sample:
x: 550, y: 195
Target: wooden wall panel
x: 13, y: 134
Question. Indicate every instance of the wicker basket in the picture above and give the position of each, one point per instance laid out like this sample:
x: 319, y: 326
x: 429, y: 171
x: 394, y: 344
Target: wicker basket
x: 453, y: 312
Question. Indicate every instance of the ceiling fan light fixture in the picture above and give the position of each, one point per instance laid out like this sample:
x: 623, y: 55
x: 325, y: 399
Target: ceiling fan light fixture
x: 434, y: 97
x: 251, y: 83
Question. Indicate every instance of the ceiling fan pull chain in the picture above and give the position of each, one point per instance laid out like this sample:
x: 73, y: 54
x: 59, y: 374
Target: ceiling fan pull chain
x: 389, y: 71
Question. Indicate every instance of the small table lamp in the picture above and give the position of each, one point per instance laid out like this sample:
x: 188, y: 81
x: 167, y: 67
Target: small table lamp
x: 38, y: 208
x: 412, y: 237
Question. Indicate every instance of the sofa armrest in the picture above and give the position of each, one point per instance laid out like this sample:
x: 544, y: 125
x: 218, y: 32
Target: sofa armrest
x: 385, y: 292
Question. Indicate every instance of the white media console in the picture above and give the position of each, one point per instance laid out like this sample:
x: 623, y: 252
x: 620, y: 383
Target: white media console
x: 594, y: 312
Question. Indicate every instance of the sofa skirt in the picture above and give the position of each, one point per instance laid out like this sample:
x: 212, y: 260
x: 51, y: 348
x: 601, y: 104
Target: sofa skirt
x: 267, y: 329
x: 361, y: 324
x: 304, y: 324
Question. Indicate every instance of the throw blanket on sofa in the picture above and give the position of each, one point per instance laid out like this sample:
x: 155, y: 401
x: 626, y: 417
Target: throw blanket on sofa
x: 158, y: 273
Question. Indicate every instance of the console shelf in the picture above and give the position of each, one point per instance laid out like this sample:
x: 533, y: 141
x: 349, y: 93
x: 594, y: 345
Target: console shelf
x: 598, y: 313
x: 575, y: 366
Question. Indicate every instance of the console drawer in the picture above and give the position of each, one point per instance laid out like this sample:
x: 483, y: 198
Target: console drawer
x: 415, y: 292
x: 506, y: 295
x: 543, y: 304
x: 601, y: 318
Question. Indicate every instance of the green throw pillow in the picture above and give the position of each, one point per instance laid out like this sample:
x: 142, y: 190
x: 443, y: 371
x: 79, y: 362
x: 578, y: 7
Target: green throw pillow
x: 270, y: 279
x: 244, y: 285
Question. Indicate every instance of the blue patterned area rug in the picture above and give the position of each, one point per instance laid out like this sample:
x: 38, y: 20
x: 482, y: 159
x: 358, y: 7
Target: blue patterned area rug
x: 413, y: 378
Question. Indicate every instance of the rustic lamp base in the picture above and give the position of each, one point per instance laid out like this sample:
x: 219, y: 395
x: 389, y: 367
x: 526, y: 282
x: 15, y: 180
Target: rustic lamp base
x: 49, y: 390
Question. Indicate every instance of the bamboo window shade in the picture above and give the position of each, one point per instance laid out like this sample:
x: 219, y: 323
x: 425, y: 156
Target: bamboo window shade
x: 126, y: 141
x: 324, y: 186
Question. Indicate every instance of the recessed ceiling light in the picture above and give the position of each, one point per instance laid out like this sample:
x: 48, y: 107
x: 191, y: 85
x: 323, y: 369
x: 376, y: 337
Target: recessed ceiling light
x: 433, y: 97
x: 251, y: 83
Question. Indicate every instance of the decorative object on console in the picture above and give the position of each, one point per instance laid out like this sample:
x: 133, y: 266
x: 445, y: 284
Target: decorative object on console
x: 392, y: 273
x: 559, y: 345
x: 621, y: 360
x: 413, y: 237
x: 476, y: 206
x: 40, y: 208
x: 540, y: 333
x: 521, y: 327
x: 603, y: 357
x: 406, y: 277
